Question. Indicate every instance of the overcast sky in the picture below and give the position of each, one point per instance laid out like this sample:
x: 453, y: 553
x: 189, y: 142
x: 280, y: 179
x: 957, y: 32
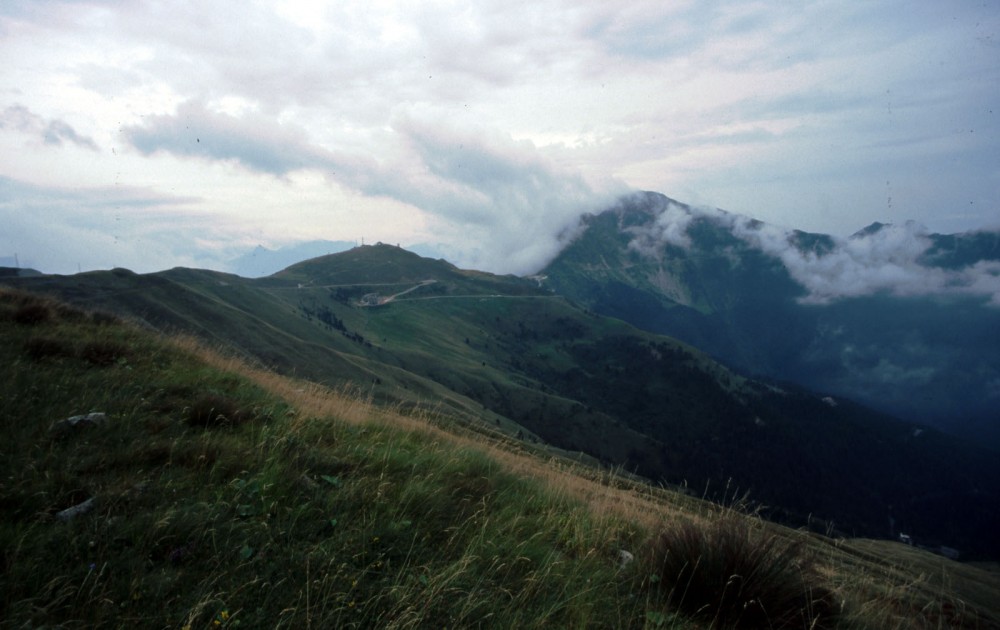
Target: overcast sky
x: 154, y: 134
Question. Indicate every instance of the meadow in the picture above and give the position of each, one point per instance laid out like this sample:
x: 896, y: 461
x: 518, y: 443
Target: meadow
x: 208, y: 491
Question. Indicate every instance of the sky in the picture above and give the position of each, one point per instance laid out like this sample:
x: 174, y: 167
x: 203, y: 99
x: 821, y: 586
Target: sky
x: 150, y: 135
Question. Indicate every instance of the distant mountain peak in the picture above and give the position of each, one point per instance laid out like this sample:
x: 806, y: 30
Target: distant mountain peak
x: 874, y: 228
x: 261, y: 261
x: 808, y: 242
x: 641, y: 207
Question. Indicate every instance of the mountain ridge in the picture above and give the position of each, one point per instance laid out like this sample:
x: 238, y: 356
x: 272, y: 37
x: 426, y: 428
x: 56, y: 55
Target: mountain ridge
x: 892, y: 316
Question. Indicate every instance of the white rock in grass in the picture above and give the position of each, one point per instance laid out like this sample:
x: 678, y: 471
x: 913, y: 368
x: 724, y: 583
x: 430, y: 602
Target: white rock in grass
x: 625, y: 558
x: 72, y: 512
x: 85, y: 420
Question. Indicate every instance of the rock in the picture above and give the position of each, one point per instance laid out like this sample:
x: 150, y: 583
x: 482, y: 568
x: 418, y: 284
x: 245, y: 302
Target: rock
x: 308, y: 483
x: 72, y: 512
x: 78, y: 422
x: 625, y: 558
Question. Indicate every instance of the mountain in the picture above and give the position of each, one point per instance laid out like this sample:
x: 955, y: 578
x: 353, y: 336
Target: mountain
x: 261, y: 261
x: 903, y: 321
x: 9, y: 272
x: 505, y: 353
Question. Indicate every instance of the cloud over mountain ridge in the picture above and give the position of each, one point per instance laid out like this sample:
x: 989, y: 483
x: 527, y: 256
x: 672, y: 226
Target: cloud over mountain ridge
x: 484, y: 183
x: 883, y: 258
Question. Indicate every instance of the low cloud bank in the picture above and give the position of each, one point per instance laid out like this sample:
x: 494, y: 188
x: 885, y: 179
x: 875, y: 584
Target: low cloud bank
x: 500, y: 205
x: 66, y: 230
x: 880, y: 259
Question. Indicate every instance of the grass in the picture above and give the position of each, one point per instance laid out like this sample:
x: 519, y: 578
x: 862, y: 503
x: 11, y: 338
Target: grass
x: 349, y: 517
x: 225, y: 495
x: 734, y: 571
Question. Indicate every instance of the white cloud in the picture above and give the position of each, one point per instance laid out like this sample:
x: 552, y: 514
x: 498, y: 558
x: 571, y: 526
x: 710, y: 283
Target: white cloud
x: 100, y: 228
x: 669, y: 227
x: 886, y: 260
x: 257, y: 142
x: 511, y: 206
x: 881, y: 259
x: 51, y: 132
x: 492, y: 189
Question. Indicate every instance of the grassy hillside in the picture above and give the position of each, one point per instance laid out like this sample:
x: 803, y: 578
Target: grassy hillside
x: 499, y: 354
x: 214, y: 494
x: 215, y: 498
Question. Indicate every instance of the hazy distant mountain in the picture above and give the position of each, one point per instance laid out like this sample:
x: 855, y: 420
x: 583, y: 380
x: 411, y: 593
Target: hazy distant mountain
x: 12, y: 272
x: 505, y: 353
x: 902, y: 320
x: 261, y: 261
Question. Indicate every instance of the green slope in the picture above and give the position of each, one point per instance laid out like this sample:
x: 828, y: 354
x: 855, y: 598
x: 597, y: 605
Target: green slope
x: 218, y: 495
x: 509, y: 357
x: 263, y: 516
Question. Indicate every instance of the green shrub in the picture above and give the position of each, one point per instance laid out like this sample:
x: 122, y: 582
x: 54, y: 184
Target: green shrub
x: 735, y: 573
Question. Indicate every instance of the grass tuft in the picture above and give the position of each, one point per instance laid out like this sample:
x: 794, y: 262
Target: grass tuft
x: 736, y: 573
x: 215, y: 410
x: 103, y: 353
x: 41, y: 348
x: 32, y: 314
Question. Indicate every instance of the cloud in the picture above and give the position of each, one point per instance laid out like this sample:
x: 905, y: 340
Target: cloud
x: 670, y: 225
x: 52, y: 132
x: 254, y: 141
x: 21, y: 195
x: 886, y: 259
x: 504, y: 193
x: 507, y: 196
x: 61, y: 230
x: 883, y: 260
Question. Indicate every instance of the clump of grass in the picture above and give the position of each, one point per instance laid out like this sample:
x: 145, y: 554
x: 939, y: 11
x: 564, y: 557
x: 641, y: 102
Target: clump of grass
x: 32, y: 314
x: 103, y: 352
x: 41, y: 348
x: 735, y: 573
x: 102, y: 318
x: 213, y: 410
